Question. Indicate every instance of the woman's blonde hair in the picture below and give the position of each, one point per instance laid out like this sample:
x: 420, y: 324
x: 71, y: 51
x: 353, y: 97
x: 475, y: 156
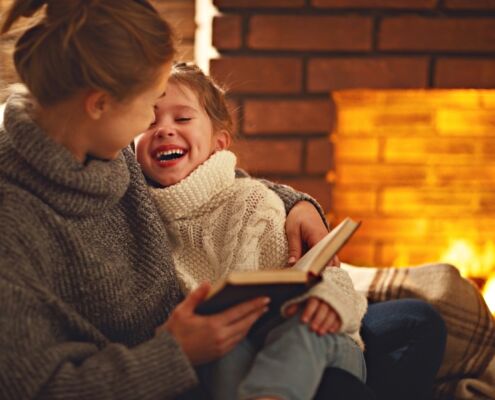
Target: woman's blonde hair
x: 117, y: 46
x: 210, y: 95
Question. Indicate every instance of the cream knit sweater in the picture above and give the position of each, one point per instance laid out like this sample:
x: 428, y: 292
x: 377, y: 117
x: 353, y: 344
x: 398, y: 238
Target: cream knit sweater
x: 219, y: 224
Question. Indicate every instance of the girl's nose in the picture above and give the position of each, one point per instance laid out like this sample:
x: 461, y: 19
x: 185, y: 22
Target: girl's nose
x: 163, y: 132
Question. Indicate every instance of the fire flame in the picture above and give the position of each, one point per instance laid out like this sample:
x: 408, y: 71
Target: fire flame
x: 476, y: 264
x: 489, y: 293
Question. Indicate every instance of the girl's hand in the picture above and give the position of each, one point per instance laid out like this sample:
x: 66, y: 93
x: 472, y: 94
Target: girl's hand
x: 320, y: 316
x: 304, y: 228
x: 205, y: 338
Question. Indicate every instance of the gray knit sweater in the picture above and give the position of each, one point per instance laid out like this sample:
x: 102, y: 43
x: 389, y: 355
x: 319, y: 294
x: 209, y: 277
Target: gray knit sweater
x: 85, y: 274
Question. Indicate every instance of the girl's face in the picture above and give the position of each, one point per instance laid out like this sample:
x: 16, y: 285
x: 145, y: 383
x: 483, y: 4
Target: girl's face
x: 180, y: 139
x: 124, y: 120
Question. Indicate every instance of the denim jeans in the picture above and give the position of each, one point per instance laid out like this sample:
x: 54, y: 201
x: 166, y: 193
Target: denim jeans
x: 289, y: 365
x: 405, y: 341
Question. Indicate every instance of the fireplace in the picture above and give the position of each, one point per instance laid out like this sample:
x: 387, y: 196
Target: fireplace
x: 417, y: 167
x: 412, y: 151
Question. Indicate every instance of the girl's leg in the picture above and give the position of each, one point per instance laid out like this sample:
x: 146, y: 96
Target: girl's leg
x: 405, y: 340
x: 222, y: 377
x: 291, y: 363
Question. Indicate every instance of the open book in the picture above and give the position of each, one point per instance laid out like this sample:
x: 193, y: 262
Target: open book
x: 281, y: 284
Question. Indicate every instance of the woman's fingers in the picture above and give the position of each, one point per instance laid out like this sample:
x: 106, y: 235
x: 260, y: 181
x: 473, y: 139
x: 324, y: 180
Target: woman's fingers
x: 194, y: 298
x: 294, y: 241
x: 304, y: 228
x: 334, y: 262
x: 242, y: 311
x: 205, y: 338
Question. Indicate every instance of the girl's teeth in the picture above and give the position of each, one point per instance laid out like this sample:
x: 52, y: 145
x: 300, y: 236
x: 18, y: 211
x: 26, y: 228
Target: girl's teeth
x: 169, y: 154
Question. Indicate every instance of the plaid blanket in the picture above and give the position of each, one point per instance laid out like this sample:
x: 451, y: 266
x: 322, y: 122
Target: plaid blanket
x: 468, y: 368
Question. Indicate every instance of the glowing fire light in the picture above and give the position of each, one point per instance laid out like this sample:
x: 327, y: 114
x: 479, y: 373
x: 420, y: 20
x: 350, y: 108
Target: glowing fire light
x: 475, y: 264
x: 489, y: 293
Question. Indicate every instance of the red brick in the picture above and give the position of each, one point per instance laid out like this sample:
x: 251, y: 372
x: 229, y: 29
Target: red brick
x: 185, y: 51
x: 258, y: 75
x: 353, y: 201
x: 180, y: 14
x: 227, y: 32
x: 358, y: 252
x: 319, y: 156
x: 326, y: 74
x: 317, y: 188
x: 443, y: 34
x: 234, y: 106
x: 465, y: 73
x: 300, y: 116
x: 269, y: 156
x: 366, y: 175
x: 409, y: 4
x: 349, y: 33
x: 258, y: 3
x: 7, y: 69
x: 470, y: 4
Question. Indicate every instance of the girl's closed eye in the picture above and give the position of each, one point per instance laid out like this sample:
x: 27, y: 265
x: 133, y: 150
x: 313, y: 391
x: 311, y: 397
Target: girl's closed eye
x: 183, y: 119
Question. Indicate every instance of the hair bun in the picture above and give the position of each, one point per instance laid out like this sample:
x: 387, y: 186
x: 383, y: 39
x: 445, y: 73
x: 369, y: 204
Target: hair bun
x: 31, y: 7
x: 21, y: 8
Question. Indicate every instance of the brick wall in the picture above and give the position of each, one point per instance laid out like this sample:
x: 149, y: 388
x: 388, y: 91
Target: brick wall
x: 281, y: 58
x: 7, y: 74
x: 418, y: 169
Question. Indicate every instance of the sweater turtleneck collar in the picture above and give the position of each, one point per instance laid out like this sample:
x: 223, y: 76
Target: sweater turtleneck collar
x: 197, y: 189
x: 31, y: 159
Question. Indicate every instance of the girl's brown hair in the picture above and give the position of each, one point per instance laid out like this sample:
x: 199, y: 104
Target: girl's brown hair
x: 117, y: 46
x: 210, y: 95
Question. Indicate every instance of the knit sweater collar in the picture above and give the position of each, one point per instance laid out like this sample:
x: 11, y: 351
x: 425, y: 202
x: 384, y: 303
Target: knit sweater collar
x: 210, y: 178
x: 31, y: 159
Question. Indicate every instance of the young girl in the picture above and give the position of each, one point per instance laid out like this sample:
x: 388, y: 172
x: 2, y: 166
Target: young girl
x: 86, y: 282
x: 218, y: 224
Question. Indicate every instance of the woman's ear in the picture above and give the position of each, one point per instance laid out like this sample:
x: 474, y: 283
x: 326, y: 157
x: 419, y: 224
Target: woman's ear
x: 96, y: 103
x: 222, y: 140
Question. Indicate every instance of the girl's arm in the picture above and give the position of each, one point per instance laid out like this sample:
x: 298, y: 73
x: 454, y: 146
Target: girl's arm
x: 306, y: 224
x: 289, y: 196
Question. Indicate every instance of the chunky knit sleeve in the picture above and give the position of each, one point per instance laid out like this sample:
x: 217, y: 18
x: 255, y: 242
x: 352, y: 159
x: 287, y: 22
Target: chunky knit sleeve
x: 48, y: 350
x: 41, y: 358
x: 337, y: 290
x: 288, y: 195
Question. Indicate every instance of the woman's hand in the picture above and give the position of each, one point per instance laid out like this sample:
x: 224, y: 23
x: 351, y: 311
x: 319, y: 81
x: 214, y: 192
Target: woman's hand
x: 205, y: 338
x: 304, y: 228
x: 320, y: 316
